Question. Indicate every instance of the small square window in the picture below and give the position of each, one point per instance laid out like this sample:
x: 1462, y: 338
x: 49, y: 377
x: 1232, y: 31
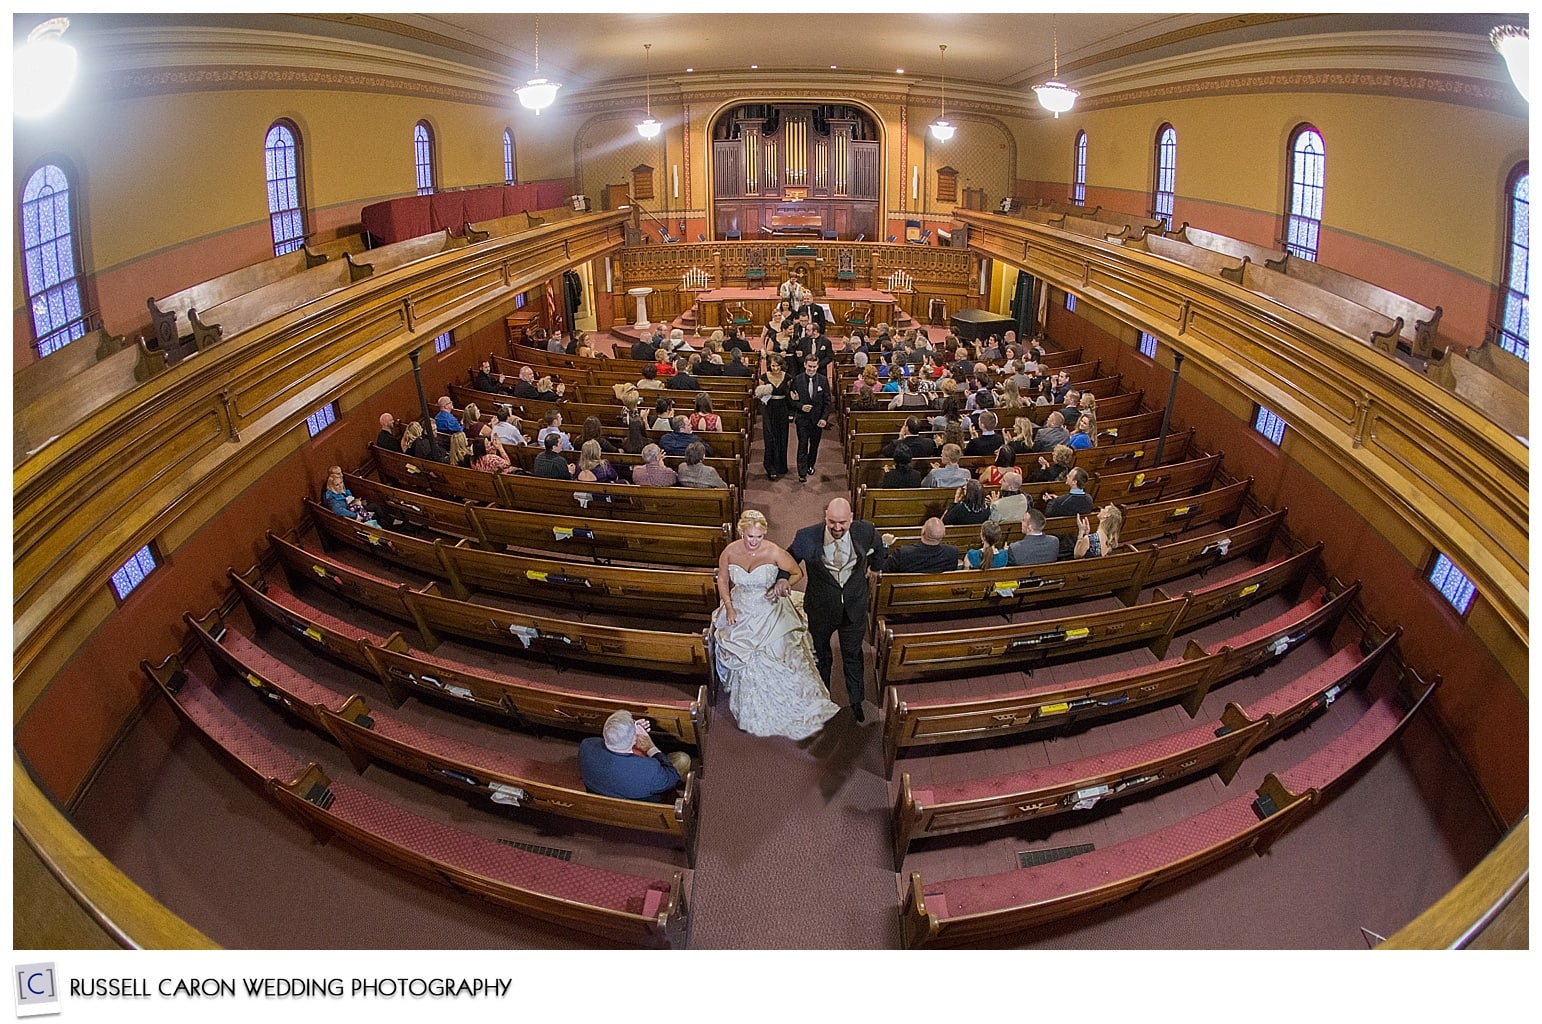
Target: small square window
x: 1269, y: 424
x: 1070, y: 302
x: 134, y: 572
x: 321, y: 419
x: 443, y: 343
x: 1453, y: 586
x: 1148, y: 345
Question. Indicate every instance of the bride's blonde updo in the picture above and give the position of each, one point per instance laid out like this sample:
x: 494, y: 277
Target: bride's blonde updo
x: 751, y: 517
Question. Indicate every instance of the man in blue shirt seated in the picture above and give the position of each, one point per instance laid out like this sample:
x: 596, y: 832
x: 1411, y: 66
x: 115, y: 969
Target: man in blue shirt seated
x: 624, y: 762
x: 1074, y: 503
x: 680, y: 438
x: 445, y: 418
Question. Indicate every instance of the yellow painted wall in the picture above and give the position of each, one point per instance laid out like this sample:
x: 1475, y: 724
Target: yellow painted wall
x: 1422, y: 176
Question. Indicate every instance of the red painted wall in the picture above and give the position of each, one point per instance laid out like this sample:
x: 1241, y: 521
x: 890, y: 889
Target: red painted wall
x: 1482, y: 709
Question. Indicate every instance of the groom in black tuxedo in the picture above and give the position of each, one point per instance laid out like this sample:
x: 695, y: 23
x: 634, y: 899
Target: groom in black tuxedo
x: 810, y: 402
x: 837, y: 555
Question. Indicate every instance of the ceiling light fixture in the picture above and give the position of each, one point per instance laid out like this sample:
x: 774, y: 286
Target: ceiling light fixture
x: 538, y: 93
x: 1054, y: 94
x: 45, y: 70
x: 650, y: 128
x: 942, y: 131
x: 1514, y: 44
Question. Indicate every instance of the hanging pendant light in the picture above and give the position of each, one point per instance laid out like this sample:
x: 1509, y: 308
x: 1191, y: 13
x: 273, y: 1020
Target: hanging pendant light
x: 1055, y: 95
x: 44, y: 70
x: 1514, y: 44
x: 942, y: 131
x: 538, y: 93
x: 650, y: 128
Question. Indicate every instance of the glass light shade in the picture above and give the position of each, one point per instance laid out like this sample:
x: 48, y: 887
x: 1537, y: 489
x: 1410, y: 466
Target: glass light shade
x: 537, y: 94
x: 942, y: 131
x: 1514, y: 45
x: 650, y: 128
x: 1056, y: 96
x: 44, y: 70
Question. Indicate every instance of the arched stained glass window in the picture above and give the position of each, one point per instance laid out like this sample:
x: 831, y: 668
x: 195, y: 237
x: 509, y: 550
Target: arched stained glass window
x: 286, y: 213
x: 423, y: 154
x: 1308, y: 169
x: 1166, y: 175
x: 508, y: 157
x: 1079, y: 171
x: 50, y: 260
x: 1515, y: 318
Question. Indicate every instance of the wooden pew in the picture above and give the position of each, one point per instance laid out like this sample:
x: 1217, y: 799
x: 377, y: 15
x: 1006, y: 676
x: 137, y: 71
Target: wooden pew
x: 667, y: 653
x: 164, y: 312
x: 977, y: 909
x: 1010, y: 589
x: 1285, y: 575
x: 911, y: 722
x: 1200, y: 554
x: 626, y: 908
x: 398, y: 254
x: 67, y: 385
x: 258, y: 306
x: 1484, y: 390
x: 531, y: 703
x: 1346, y: 316
x: 453, y: 483
x: 868, y: 431
x: 443, y: 515
x: 1140, y: 485
x: 1157, y: 519
x: 578, y: 537
x: 645, y: 593
x: 1421, y: 324
x: 905, y: 656
x: 1207, y: 261
x: 731, y: 470
x: 1222, y: 745
x: 367, y: 736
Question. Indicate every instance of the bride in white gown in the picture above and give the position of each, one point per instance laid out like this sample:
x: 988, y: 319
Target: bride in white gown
x: 765, y: 655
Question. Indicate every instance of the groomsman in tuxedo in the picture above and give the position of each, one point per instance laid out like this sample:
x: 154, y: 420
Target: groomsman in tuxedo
x: 837, y: 555
x: 810, y: 402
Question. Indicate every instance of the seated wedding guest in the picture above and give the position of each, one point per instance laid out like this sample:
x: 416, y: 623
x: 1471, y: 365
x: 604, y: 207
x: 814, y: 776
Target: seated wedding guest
x: 636, y: 433
x: 624, y: 762
x: 733, y: 342
x: 1053, y: 470
x: 649, y: 381
x: 506, y: 428
x: 1053, y: 432
x: 460, y: 450
x: 954, y: 434
x: 643, y: 349
x: 1086, y: 433
x: 703, y: 418
x: 487, y: 460
x: 680, y: 437
x: 1011, y: 395
x: 595, y: 431
x: 653, y: 472
x: 544, y: 389
x: 548, y: 462
x: 551, y: 426
x: 969, y: 506
x: 986, y: 441
x: 916, y: 439
x: 664, y: 363
x: 474, y: 425
x: 387, y: 437
x: 929, y: 554
x: 950, y: 473
x: 1036, y: 548
x: 1021, y: 436
x: 910, y: 397
x: 445, y: 419
x: 1011, y: 504
x: 903, y: 474
x: 683, y: 380
x: 868, y: 381
x: 663, y: 414
x: 487, y: 380
x: 992, y: 475
x: 336, y: 496
x: 736, y: 366
x: 1104, y: 540
x: 1072, y: 410
x: 696, y: 473
x: 556, y: 345
x: 420, y: 445
x: 677, y: 342
x: 592, y: 467
x: 1088, y: 405
x: 951, y: 412
x: 991, y: 554
x: 584, y: 349
x: 1074, y: 503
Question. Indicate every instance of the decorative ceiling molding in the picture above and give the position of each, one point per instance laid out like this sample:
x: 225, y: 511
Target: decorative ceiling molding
x: 1445, y: 88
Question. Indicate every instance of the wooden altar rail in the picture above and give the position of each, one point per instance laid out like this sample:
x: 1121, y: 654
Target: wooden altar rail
x: 161, y: 457
x: 1364, y: 417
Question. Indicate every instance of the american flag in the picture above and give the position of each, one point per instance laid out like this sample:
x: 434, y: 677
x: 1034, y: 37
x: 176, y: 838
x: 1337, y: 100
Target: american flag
x: 553, y: 313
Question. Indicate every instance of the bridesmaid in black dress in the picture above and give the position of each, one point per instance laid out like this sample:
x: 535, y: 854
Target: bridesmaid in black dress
x: 774, y: 385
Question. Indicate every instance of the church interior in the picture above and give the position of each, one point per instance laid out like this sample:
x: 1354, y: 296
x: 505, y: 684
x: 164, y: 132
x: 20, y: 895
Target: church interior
x: 1286, y: 252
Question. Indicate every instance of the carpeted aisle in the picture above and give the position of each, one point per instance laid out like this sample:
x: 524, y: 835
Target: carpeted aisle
x: 793, y: 848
